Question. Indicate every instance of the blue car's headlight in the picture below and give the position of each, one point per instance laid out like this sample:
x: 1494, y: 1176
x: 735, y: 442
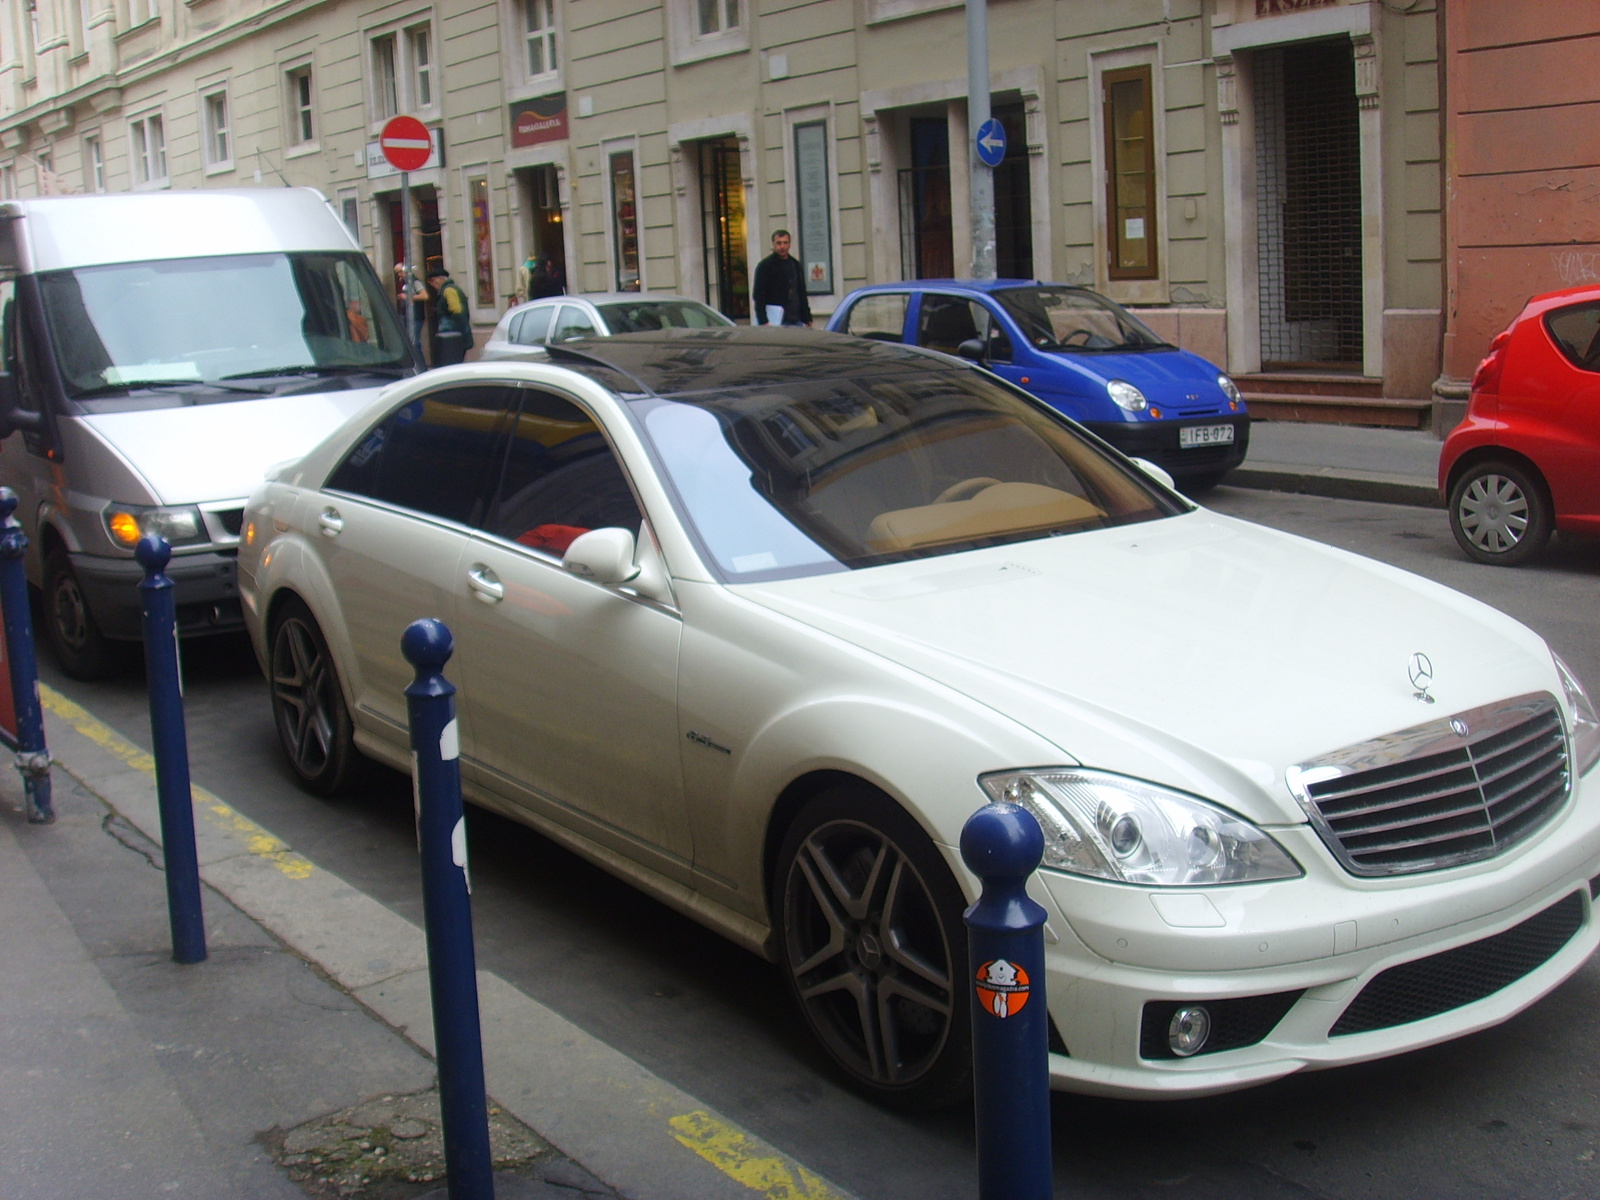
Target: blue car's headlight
x: 1129, y: 831
x: 1127, y: 396
x: 1230, y: 390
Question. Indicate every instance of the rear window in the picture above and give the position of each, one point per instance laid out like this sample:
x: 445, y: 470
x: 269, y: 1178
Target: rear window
x: 881, y: 317
x: 1576, y: 331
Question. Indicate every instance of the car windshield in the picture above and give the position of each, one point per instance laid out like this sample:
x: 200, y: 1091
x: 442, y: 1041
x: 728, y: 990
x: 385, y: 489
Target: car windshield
x: 838, y: 474
x: 206, y: 330
x: 642, y: 316
x: 1074, y: 319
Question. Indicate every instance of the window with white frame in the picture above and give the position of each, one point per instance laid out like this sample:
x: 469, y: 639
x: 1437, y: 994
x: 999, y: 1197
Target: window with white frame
x: 140, y: 11
x: 8, y: 182
x: 147, y: 147
x: 419, y: 50
x: 94, y: 163
x: 385, y: 78
x: 218, y: 139
x: 302, y: 125
x: 716, y: 16
x: 539, y: 36
x: 700, y: 29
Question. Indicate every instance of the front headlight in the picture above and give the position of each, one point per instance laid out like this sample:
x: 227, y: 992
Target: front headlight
x: 1585, y: 722
x: 1129, y: 831
x: 1230, y: 390
x: 127, y: 523
x: 1127, y: 396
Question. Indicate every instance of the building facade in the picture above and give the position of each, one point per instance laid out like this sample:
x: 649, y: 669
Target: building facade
x: 1261, y: 178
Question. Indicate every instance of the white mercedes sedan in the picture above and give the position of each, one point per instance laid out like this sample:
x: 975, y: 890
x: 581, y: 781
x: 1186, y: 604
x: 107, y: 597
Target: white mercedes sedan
x: 756, y: 619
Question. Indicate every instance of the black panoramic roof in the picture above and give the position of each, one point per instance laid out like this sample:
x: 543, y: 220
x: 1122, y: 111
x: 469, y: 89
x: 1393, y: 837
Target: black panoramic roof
x: 675, y: 362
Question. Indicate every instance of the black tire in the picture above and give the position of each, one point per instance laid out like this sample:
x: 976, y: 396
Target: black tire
x: 80, y: 650
x: 873, y: 949
x: 308, y: 708
x: 1500, y: 513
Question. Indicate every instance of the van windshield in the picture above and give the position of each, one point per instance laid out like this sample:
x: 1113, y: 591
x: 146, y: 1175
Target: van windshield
x: 204, y: 330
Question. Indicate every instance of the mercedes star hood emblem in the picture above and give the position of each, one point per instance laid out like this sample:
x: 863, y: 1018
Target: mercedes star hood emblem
x: 1420, y: 669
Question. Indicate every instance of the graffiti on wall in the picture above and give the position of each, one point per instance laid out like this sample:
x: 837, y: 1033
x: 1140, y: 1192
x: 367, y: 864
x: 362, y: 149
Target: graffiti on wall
x: 1576, y: 266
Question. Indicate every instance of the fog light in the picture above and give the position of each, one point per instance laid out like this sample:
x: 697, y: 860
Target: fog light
x: 1188, y: 1031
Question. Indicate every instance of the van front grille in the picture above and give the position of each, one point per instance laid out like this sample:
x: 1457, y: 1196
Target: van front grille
x: 1456, y: 790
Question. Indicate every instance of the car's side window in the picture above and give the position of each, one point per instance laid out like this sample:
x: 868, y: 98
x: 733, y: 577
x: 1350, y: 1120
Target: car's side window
x: 880, y: 316
x: 946, y: 321
x: 999, y: 342
x: 532, y: 326
x: 1576, y: 331
x: 437, y: 454
x: 561, y: 478
x: 572, y: 323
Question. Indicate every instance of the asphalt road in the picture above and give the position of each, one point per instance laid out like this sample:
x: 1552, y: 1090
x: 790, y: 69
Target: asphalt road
x: 1511, y: 1112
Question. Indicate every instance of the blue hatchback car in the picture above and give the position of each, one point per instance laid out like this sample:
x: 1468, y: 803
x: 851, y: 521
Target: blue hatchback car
x: 1078, y: 352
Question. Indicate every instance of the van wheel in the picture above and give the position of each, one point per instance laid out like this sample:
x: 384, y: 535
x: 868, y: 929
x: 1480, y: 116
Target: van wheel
x: 80, y: 650
x: 1500, y: 513
x: 873, y: 948
x: 308, y: 707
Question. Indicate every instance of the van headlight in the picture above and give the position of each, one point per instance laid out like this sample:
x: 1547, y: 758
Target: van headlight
x: 1585, y: 722
x: 1127, y: 396
x: 1129, y: 831
x: 127, y: 523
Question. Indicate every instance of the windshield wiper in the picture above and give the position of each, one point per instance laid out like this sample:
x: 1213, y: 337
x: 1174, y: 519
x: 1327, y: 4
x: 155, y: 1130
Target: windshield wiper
x: 392, y: 370
x: 151, y: 385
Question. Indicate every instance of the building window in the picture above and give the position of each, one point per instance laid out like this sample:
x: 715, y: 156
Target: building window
x: 140, y: 11
x: 8, y: 182
x: 539, y: 20
x: 1130, y: 173
x: 302, y: 128
x: 148, y: 150
x: 419, y: 41
x: 44, y: 165
x: 94, y: 163
x: 218, y: 149
x: 385, y: 84
x: 625, y: 228
x: 350, y: 210
x: 717, y: 16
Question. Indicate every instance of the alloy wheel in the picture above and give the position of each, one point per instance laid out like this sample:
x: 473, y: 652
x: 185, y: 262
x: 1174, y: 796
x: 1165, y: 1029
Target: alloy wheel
x: 868, y: 953
x: 301, y: 682
x: 1494, y: 513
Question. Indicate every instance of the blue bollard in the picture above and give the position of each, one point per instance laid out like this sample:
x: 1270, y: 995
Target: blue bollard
x: 1002, y: 844
x: 171, y: 745
x: 33, y: 758
x: 447, y: 912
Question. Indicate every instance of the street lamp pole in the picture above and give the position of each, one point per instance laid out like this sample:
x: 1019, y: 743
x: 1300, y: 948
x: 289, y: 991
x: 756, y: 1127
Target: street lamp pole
x: 983, y: 257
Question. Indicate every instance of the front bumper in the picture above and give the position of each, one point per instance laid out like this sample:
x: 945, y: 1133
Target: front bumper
x: 1319, y: 941
x: 205, y: 590
x: 1157, y: 441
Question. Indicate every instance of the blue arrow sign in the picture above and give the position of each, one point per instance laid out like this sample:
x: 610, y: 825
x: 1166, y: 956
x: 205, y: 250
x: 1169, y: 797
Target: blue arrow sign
x: 991, y: 142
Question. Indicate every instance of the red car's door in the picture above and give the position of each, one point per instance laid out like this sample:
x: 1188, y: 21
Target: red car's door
x: 1555, y: 402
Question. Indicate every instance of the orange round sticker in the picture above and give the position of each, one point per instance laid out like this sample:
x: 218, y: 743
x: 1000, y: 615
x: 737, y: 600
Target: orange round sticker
x: 1002, y: 987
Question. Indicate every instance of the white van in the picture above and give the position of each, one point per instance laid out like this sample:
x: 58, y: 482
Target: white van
x: 160, y: 352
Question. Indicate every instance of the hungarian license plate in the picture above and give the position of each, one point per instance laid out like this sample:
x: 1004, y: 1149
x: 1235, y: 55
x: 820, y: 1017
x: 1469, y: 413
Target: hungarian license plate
x: 1190, y: 436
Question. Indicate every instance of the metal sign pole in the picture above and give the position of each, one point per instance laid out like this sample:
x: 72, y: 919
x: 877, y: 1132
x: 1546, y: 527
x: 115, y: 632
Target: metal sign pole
x: 983, y: 252
x: 405, y: 254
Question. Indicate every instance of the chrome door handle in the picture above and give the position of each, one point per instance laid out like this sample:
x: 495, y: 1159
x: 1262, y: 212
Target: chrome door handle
x: 486, y: 584
x: 330, y: 520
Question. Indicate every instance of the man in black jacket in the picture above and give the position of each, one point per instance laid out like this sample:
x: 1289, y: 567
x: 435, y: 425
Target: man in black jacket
x: 780, y: 283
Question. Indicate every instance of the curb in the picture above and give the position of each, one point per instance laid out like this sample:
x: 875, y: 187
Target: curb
x: 632, y: 1129
x: 1338, y: 485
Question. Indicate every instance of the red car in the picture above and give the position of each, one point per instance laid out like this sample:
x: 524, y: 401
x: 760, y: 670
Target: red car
x: 1526, y: 460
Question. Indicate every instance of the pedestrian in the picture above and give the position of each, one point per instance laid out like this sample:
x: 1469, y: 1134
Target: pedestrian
x: 406, y: 281
x: 780, y: 288
x: 452, y: 323
x: 544, y: 280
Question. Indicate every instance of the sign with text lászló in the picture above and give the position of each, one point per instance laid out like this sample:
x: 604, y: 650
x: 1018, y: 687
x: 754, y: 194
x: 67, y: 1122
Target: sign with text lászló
x: 542, y: 119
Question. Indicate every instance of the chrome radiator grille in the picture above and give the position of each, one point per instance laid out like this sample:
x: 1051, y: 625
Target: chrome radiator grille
x: 1455, y: 790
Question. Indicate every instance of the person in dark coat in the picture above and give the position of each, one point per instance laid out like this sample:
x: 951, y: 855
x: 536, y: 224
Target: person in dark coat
x: 780, y: 284
x: 452, y: 322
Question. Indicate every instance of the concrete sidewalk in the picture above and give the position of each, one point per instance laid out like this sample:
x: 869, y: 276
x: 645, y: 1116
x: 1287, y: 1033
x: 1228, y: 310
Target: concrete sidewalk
x: 294, y: 1061
x: 1393, y: 466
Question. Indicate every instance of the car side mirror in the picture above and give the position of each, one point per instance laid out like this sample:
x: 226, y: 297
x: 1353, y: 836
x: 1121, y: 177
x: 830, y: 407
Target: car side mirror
x: 1156, y: 473
x: 603, y: 555
x: 971, y: 348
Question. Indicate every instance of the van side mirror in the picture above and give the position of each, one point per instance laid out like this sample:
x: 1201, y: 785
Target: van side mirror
x: 13, y: 418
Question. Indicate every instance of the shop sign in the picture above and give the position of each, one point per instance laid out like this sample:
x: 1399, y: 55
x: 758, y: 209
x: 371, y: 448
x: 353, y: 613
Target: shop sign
x: 542, y: 119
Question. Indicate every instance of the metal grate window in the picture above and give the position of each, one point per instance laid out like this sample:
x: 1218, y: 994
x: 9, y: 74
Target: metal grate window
x: 1456, y: 790
x: 1308, y: 205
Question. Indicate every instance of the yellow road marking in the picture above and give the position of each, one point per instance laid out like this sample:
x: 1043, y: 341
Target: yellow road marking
x: 743, y: 1159
x: 257, y: 840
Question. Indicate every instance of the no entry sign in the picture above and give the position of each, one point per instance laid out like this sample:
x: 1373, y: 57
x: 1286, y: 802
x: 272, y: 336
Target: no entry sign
x: 405, y: 143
